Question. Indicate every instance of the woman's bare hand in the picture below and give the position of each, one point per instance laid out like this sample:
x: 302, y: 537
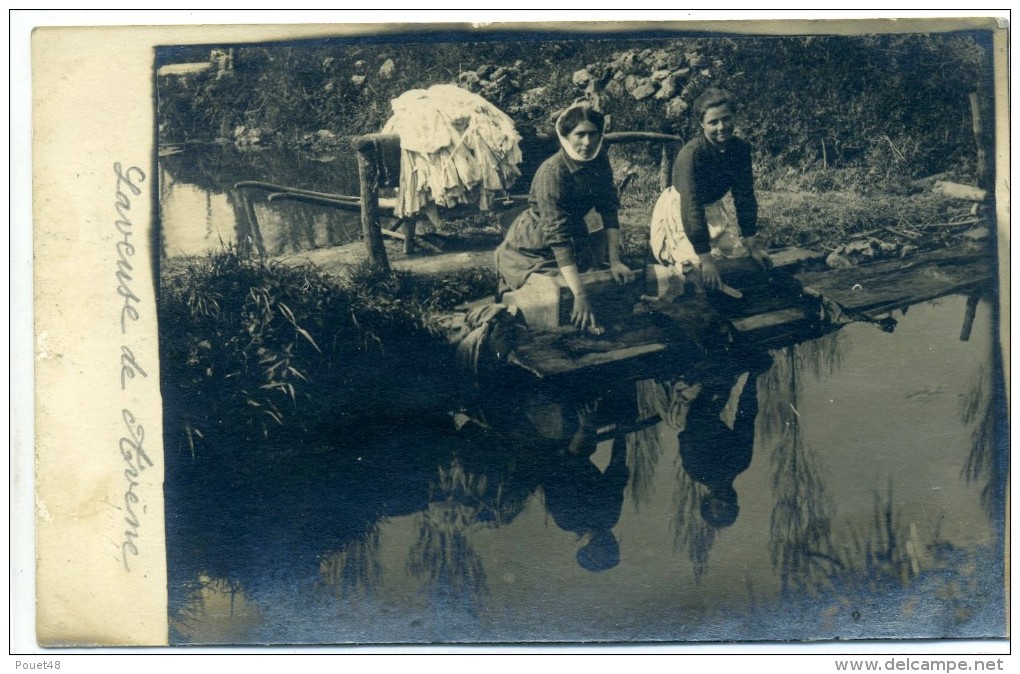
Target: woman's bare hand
x: 710, y: 275
x: 758, y: 253
x: 621, y: 273
x: 582, y: 316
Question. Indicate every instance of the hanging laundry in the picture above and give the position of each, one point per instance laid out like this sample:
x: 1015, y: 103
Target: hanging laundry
x: 455, y: 148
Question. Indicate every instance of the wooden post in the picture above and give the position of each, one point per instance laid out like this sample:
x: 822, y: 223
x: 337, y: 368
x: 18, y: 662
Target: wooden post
x: 968, y: 317
x: 410, y: 225
x: 979, y: 141
x: 665, y: 168
x: 253, y: 223
x: 368, y: 177
x: 245, y: 236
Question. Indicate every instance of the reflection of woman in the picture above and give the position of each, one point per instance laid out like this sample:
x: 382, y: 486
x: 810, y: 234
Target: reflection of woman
x: 586, y: 501
x: 689, y: 221
x: 552, y: 235
x: 713, y: 450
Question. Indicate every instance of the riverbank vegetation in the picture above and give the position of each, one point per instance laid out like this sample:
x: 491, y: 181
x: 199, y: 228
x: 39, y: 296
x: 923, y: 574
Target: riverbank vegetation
x: 260, y: 352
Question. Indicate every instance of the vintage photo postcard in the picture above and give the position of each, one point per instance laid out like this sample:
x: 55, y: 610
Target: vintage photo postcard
x: 551, y: 333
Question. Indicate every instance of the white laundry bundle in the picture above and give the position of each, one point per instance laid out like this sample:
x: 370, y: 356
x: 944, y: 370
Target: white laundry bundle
x: 455, y: 147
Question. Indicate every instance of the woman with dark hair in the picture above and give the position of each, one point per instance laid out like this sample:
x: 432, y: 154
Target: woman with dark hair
x: 690, y: 224
x: 551, y: 236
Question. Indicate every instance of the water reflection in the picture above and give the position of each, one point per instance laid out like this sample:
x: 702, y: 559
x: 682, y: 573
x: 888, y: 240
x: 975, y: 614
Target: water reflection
x: 354, y: 572
x: 585, y: 500
x: 201, y: 208
x: 715, y: 420
x: 442, y: 555
x: 988, y: 460
x: 643, y: 446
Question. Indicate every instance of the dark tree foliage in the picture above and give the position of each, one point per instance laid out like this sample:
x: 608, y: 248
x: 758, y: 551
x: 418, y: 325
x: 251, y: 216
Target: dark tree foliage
x: 807, y: 101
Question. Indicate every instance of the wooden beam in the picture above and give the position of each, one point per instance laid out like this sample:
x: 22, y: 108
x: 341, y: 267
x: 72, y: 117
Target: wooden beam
x: 283, y: 191
x: 321, y: 201
x: 641, y: 136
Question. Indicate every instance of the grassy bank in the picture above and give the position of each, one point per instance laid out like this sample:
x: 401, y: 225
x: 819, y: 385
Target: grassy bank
x: 822, y: 209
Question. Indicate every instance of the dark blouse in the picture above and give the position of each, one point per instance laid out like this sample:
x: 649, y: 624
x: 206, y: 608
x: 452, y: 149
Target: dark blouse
x: 552, y: 232
x: 703, y: 174
x: 563, y: 192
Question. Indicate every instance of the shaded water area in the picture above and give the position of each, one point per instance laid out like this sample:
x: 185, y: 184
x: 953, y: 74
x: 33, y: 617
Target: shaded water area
x: 849, y: 486
x: 202, y: 209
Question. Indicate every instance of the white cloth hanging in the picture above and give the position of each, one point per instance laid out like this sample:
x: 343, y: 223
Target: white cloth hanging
x: 455, y: 147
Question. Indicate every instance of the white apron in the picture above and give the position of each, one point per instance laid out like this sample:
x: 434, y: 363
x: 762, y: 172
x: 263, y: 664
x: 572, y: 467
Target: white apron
x: 669, y: 242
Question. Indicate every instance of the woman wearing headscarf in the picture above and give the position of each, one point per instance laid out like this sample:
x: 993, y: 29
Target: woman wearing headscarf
x: 551, y: 236
x: 690, y: 225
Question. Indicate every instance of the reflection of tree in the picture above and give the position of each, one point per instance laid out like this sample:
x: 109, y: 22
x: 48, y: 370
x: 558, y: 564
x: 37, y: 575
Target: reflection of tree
x: 190, y: 605
x: 985, y: 463
x: 442, y: 555
x: 643, y: 445
x: 354, y: 572
x: 812, y: 557
x: 884, y: 553
x: 690, y: 531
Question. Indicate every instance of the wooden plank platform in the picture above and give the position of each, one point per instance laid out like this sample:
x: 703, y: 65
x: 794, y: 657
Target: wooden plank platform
x: 780, y: 307
x: 565, y: 350
x: 873, y: 289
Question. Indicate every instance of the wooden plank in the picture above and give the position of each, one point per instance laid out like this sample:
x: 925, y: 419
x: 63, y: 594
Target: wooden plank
x: 958, y: 191
x: 889, y: 284
x: 786, y: 257
x: 543, y: 361
x: 768, y: 320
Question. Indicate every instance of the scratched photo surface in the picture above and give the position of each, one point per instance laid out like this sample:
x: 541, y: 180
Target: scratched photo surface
x: 360, y: 446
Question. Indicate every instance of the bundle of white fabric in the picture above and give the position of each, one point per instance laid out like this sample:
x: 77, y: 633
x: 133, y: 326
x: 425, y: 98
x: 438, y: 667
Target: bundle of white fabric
x: 455, y: 147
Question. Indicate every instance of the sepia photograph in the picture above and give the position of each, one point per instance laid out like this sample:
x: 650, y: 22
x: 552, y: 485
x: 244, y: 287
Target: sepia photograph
x: 647, y: 333
x: 535, y: 337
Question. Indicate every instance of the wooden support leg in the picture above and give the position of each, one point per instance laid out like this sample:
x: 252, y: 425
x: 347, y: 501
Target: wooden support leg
x: 968, y: 317
x: 409, y: 227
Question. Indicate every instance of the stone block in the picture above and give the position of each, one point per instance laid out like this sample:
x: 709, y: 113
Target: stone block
x: 545, y: 302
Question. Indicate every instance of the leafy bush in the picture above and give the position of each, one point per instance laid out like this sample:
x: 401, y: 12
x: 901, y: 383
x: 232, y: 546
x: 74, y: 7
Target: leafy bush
x: 241, y: 340
x: 253, y: 347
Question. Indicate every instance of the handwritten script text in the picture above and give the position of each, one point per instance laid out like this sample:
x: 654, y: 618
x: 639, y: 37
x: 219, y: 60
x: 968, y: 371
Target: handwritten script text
x: 132, y: 441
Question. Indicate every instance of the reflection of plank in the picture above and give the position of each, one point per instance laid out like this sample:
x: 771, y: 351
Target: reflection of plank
x: 879, y: 287
x: 543, y: 361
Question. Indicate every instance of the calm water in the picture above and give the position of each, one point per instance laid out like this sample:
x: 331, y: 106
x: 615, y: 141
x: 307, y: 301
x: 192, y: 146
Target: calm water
x: 865, y: 506
x: 201, y: 209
